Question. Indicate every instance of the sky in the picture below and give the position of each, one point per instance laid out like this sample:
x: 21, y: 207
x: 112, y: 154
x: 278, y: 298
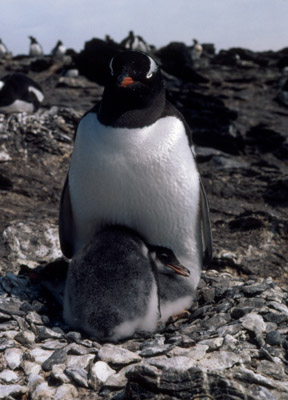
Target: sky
x: 254, y: 24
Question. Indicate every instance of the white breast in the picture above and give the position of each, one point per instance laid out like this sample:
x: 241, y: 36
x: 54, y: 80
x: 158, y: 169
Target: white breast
x: 142, y: 178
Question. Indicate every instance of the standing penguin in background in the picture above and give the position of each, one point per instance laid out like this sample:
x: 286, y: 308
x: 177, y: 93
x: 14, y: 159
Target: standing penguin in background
x: 3, y: 49
x: 59, y: 50
x: 132, y: 165
x: 35, y: 49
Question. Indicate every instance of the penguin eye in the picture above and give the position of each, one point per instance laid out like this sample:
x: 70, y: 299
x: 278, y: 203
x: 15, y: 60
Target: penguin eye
x: 110, y: 66
x: 163, y: 257
x: 153, y: 68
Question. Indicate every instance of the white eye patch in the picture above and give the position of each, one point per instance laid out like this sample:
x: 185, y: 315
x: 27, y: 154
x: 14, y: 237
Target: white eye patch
x: 153, y: 68
x: 110, y: 66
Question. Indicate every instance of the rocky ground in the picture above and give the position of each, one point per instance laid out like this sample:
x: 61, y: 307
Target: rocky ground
x: 234, y: 344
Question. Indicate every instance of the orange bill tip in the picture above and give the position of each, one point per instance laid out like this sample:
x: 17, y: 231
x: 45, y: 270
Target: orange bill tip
x: 126, y: 81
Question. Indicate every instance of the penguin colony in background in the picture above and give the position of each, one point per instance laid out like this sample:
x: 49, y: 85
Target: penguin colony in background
x: 132, y: 165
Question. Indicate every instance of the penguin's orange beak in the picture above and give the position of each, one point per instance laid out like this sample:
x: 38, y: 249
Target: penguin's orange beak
x: 126, y: 81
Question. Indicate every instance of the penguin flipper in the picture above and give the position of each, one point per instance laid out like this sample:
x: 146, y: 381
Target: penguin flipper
x: 66, y: 227
x: 205, y: 227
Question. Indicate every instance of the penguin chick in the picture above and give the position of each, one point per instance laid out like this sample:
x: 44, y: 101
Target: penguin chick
x: 19, y: 93
x: 111, y: 288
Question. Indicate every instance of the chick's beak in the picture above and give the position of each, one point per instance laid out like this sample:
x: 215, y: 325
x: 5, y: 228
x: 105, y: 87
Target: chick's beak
x: 179, y: 269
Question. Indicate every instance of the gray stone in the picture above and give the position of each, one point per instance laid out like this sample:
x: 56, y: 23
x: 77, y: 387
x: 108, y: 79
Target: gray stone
x: 5, y: 326
x: 43, y: 392
x: 117, y: 355
x: 6, y: 343
x: 78, y: 375
x: 13, y: 357
x: 34, y: 318
x: 101, y: 371
x: 8, y: 376
x: 66, y: 392
x: 77, y: 349
x: 79, y: 361
x: 59, y: 356
x: 58, y: 373
x: 53, y: 344
x: 30, y: 367
x: 11, y: 306
x: 26, y: 338
x: 39, y: 355
x: 274, y: 338
x: 118, y: 381
x: 31, y: 243
x: 47, y: 333
x: 254, y: 322
x: 12, y: 390
x: 213, y: 344
x: 179, y: 363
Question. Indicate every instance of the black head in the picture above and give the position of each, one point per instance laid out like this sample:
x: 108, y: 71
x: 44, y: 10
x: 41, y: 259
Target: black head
x: 166, y: 258
x: 33, y: 40
x: 135, y: 83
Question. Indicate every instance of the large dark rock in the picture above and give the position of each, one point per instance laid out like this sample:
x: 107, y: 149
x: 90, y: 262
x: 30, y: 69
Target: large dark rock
x: 93, y: 61
x: 176, y: 60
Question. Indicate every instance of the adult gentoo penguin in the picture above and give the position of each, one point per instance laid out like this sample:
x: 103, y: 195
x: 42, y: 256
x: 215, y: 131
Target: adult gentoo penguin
x: 35, y: 49
x: 19, y: 93
x: 115, y: 264
x: 59, y: 50
x: 3, y: 49
x: 132, y: 165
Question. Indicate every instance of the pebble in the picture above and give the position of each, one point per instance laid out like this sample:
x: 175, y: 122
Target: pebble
x: 66, y: 392
x: 8, y: 376
x: 101, y: 371
x: 58, y: 373
x: 13, y: 357
x: 214, y: 349
x: 116, y: 355
x: 78, y: 375
x: 26, y: 338
x: 6, y: 391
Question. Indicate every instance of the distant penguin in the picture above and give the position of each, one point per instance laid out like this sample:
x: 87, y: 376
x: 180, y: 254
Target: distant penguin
x: 19, y: 93
x: 3, y: 49
x: 59, y: 50
x: 132, y: 165
x: 197, y: 50
x: 137, y: 43
x: 35, y: 49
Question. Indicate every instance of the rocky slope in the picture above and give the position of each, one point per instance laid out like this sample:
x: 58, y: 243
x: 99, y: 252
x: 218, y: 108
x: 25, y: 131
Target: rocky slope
x: 234, y: 344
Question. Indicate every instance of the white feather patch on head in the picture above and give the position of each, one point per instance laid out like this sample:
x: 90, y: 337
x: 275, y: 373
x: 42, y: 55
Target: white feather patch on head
x: 153, y: 68
x: 2, y: 84
x: 37, y: 93
x: 110, y: 66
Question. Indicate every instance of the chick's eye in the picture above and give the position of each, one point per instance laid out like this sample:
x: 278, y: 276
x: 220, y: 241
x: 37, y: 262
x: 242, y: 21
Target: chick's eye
x: 163, y: 257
